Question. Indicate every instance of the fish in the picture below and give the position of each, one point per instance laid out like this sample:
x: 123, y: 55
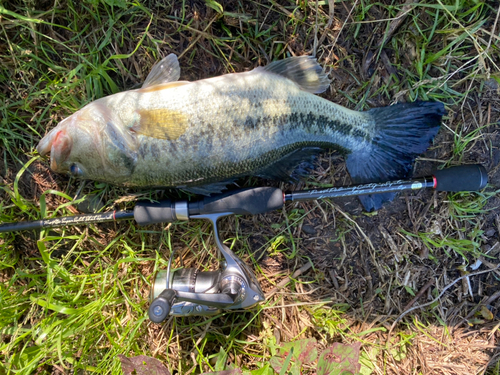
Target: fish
x: 203, y: 135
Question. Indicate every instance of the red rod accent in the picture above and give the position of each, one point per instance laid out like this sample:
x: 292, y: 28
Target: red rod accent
x: 435, y: 182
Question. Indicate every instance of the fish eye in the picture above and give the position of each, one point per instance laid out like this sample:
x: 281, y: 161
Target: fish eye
x: 75, y: 170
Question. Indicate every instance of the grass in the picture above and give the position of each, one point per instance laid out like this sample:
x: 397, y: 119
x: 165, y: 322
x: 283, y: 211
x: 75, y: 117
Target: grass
x: 74, y: 298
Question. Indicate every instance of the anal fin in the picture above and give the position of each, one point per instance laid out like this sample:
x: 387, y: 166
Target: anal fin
x: 292, y: 166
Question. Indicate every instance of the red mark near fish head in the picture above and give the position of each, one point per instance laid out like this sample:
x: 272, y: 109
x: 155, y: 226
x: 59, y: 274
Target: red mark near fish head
x: 61, y: 148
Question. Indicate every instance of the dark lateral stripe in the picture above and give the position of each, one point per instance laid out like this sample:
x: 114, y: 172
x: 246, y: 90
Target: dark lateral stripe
x: 307, y: 121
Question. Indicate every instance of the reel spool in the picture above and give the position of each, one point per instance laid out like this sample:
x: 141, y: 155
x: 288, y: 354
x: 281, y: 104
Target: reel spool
x: 191, y: 292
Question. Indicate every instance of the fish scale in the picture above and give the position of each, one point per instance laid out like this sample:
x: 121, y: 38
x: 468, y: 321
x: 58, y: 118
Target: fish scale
x: 245, y: 137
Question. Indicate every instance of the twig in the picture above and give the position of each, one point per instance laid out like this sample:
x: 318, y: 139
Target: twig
x: 331, y: 9
x: 367, y: 239
x: 287, y: 279
x: 334, y: 279
x: 419, y: 294
x: 484, y: 302
x: 298, y: 14
x: 487, y: 263
x: 198, y: 37
x: 342, y: 28
x: 397, y: 21
x: 492, y: 360
x: 437, y: 298
x: 493, y: 30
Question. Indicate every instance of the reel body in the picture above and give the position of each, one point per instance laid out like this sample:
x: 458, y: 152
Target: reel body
x: 188, y: 280
x: 191, y: 292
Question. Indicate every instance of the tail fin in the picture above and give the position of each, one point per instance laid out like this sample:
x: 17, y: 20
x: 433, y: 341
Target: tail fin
x: 402, y: 132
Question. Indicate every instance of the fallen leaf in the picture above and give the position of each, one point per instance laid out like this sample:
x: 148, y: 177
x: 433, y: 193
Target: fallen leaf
x: 486, y: 313
x: 339, y: 359
x: 142, y: 365
x: 304, y: 352
x: 235, y: 371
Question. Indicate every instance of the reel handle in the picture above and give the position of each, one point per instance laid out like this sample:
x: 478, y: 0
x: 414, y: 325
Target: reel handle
x: 161, y: 305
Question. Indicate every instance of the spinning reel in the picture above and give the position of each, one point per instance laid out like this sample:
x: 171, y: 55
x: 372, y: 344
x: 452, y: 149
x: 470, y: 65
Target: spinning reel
x: 188, y: 291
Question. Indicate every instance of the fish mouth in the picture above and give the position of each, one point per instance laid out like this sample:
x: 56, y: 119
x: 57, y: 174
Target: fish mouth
x: 58, y: 143
x: 45, y: 144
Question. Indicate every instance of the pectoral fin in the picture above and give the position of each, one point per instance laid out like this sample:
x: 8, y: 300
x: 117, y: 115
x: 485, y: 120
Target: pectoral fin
x: 120, y: 149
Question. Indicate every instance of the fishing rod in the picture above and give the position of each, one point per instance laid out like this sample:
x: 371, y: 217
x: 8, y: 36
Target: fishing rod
x: 188, y: 291
x: 252, y: 201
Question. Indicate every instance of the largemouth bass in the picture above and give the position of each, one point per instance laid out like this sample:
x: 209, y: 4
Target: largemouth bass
x: 202, y: 135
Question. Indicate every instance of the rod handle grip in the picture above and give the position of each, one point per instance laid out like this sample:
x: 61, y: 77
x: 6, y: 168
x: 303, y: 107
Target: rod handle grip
x: 251, y: 201
x: 471, y: 177
x: 146, y: 213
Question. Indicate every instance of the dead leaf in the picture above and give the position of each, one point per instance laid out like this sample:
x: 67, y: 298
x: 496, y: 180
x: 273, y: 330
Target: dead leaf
x: 304, y: 352
x: 235, y: 371
x: 486, y: 313
x: 142, y: 365
x: 339, y: 359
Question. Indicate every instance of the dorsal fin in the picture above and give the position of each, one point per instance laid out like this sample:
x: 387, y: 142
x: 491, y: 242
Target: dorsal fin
x: 167, y: 70
x: 303, y: 70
